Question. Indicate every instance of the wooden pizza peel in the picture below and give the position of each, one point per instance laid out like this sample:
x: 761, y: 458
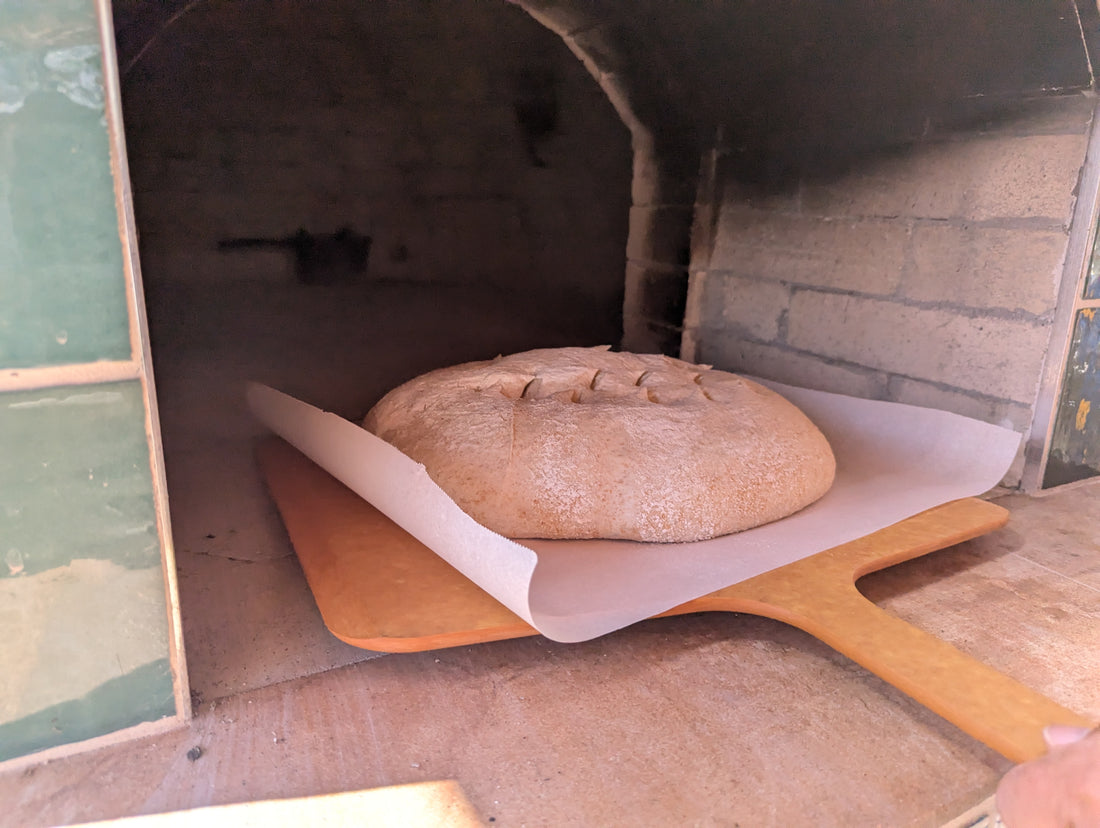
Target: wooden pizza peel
x: 379, y: 588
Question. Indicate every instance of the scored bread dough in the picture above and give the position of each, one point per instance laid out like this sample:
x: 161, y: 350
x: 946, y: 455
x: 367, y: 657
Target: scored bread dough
x: 591, y: 443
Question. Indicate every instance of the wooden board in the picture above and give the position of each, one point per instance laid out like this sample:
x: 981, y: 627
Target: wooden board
x: 379, y: 588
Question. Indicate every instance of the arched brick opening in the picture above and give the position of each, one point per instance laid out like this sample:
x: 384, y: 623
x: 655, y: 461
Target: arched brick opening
x: 664, y: 178
x: 665, y: 153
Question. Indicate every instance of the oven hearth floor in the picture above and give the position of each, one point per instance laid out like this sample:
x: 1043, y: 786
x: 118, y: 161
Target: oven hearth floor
x: 711, y: 719
x: 699, y: 720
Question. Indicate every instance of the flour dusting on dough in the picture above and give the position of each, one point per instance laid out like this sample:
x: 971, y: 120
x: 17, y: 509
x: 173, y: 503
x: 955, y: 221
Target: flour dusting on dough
x: 586, y: 442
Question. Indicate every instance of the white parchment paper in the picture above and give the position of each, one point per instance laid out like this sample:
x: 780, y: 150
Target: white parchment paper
x: 893, y: 461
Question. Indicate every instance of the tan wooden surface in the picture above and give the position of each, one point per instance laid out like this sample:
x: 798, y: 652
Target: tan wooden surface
x: 380, y: 589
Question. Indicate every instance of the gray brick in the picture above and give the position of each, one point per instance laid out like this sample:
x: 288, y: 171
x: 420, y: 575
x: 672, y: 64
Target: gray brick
x: 998, y: 357
x: 652, y: 183
x: 694, y: 308
x: 1033, y: 176
x: 980, y: 178
x: 781, y: 364
x: 999, y: 412
x: 747, y: 308
x: 917, y: 182
x: 865, y: 255
x: 660, y: 234
x: 986, y: 267
x: 1048, y: 115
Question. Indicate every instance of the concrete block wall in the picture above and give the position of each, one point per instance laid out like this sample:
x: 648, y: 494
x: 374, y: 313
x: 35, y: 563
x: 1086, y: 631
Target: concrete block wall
x: 398, y: 119
x: 927, y: 276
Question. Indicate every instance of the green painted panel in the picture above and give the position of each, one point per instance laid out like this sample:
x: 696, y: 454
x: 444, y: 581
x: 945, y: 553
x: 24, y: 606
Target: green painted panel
x: 1075, y: 442
x: 62, y: 284
x: 143, y: 695
x: 75, y: 479
x: 82, y: 596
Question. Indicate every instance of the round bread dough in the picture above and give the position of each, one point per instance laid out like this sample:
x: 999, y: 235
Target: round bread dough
x: 590, y: 443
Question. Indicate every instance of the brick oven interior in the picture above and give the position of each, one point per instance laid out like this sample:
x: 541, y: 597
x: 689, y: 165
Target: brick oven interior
x: 873, y: 198
x: 486, y: 166
x: 525, y: 180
